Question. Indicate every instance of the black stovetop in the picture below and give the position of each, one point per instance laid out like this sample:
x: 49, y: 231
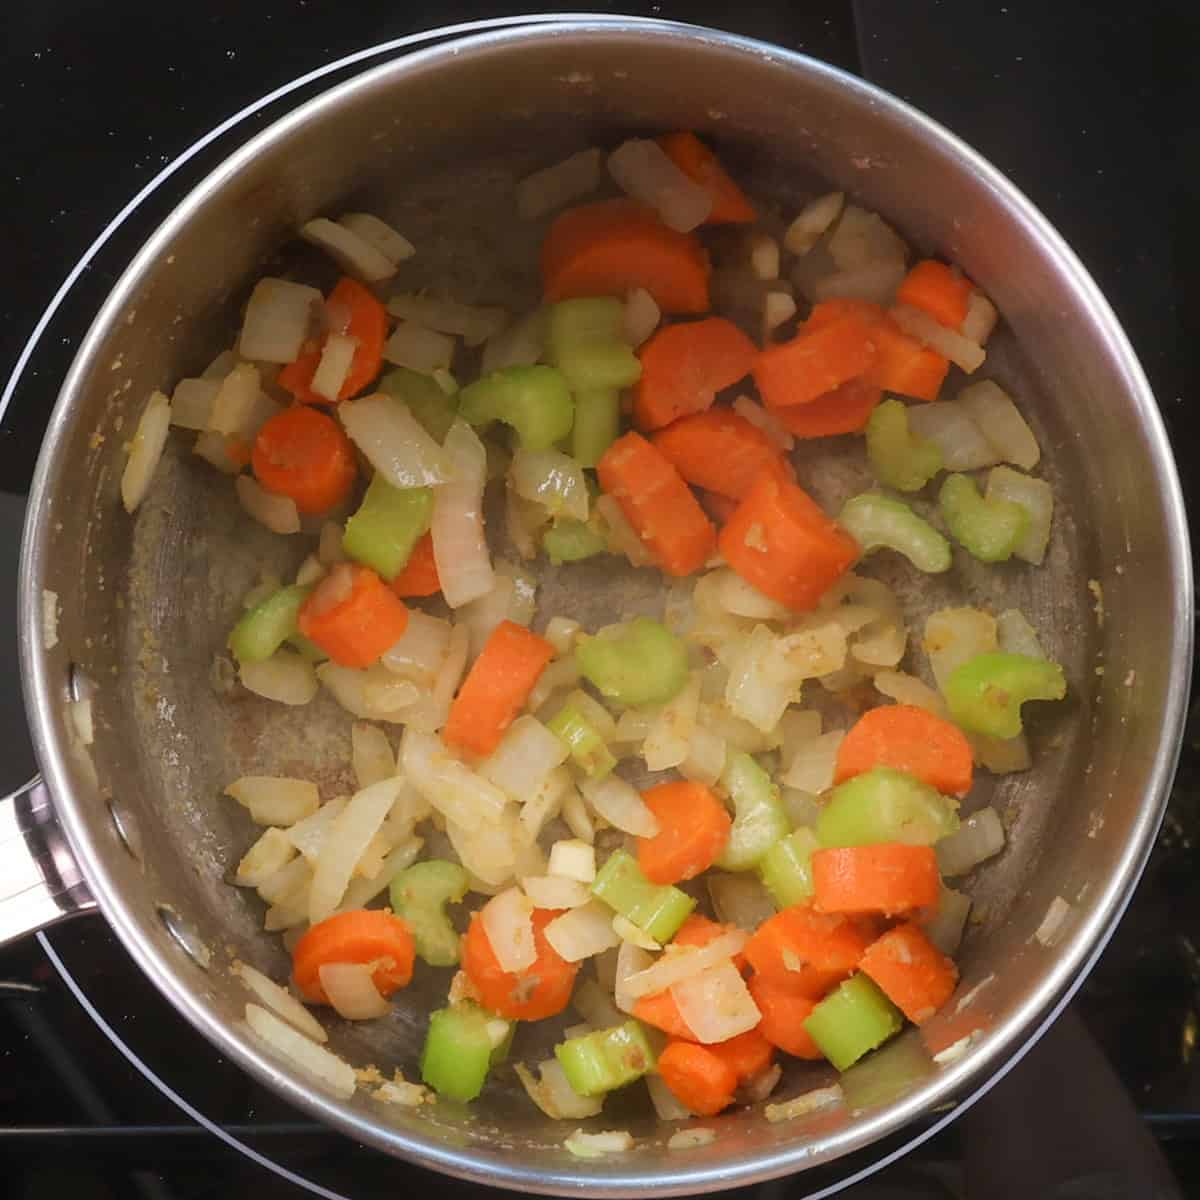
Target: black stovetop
x: 1086, y: 106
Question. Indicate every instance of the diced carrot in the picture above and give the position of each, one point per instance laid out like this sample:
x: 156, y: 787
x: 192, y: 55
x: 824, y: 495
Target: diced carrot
x: 913, y: 973
x: 660, y: 1010
x: 780, y: 541
x: 305, y: 454
x: 730, y: 204
x: 699, y: 930
x: 815, y: 361
x: 353, y: 616
x: 904, y: 366
x: 496, y: 687
x: 910, y: 739
x: 296, y: 377
x: 889, y: 878
x: 359, y: 936
x: 610, y: 247
x: 719, y: 508
x: 701, y: 1080
x: 684, y: 367
x: 937, y: 289
x: 693, y: 827
x: 721, y: 451
x: 783, y: 1015
x: 658, y: 504
x: 419, y: 576
x: 749, y: 1054
x: 797, y: 938
x: 825, y: 312
x: 541, y: 990
x: 846, y: 409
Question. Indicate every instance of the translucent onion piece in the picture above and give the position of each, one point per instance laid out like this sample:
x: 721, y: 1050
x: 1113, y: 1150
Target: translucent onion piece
x: 596, y: 1145
x: 395, y: 443
x: 980, y: 836
x: 1033, y: 495
x: 1016, y: 636
x: 456, y: 791
x: 192, y: 402
x: 668, y: 740
x: 685, y: 1139
x: 582, y: 932
x: 575, y: 814
x: 278, y: 317
x: 429, y: 714
x: 641, y: 316
x: 640, y: 167
x: 627, y: 931
x: 472, y: 323
x: 145, y: 450
x: 861, y: 237
x: 351, y: 991
x: 460, y: 547
x: 593, y: 1003
x: 954, y: 635
x: 362, y: 891
x: 287, y: 677
x: 739, y: 899
x: 764, y: 420
x: 552, y: 479
x: 392, y: 245
x: 742, y: 599
x: 334, y: 1072
x: 632, y: 961
x: 762, y: 255
x: 421, y: 649
x: 667, y: 1107
x: 488, y: 850
x: 543, y: 806
x: 980, y: 320
x: 622, y: 537
x: 716, y: 1004
x: 353, y: 253
x: 419, y: 349
x: 552, y: 187
x: 908, y: 689
x: 553, y: 891
x: 274, y: 799
x: 778, y: 308
x: 272, y: 851
x: 293, y: 877
x: 950, y: 427
x: 929, y: 332
x: 370, y: 754
x: 993, y: 411
x: 551, y: 1092
x: 561, y: 633
x: 620, y: 804
x: 526, y: 755
x: 518, y: 345
x: 278, y: 513
x: 812, y: 766
x: 373, y: 695
x: 812, y: 221
x: 1053, y: 925
x: 280, y: 1001
x: 705, y: 759
x: 573, y: 859
x: 308, y: 835
x: 507, y: 920
x: 512, y: 598
x: 945, y: 927
x: 875, y: 282
x: 678, y: 964
x: 802, y: 1105
x: 337, y: 356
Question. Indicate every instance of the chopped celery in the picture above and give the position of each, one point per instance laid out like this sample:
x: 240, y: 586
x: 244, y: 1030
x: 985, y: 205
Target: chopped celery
x: 308, y: 648
x: 899, y: 457
x: 885, y: 805
x: 874, y: 520
x: 597, y: 423
x: 419, y: 895
x: 654, y: 909
x: 569, y: 540
x: 586, y: 343
x: 986, y: 692
x: 458, y: 1052
x: 265, y: 628
x: 786, y: 869
x: 639, y: 662
x: 759, y: 819
x: 389, y: 521
x: 988, y: 529
x: 428, y: 402
x: 603, y: 1061
x: 855, y: 1018
x: 587, y: 747
x: 535, y: 401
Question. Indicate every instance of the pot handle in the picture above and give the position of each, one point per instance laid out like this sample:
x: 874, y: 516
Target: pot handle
x: 40, y: 882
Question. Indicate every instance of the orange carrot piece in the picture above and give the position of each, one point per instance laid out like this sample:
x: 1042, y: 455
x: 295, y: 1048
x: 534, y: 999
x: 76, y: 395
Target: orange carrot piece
x: 541, y: 990
x: 825, y: 312
x: 296, y: 377
x: 845, y: 409
x: 353, y: 616
x: 730, y: 204
x: 496, y: 687
x: 780, y: 541
x: 658, y: 504
x: 909, y: 739
x: 815, y: 361
x: 937, y: 289
x: 419, y: 576
x: 359, y: 936
x: 693, y: 827
x: 660, y: 1010
x: 783, y: 1015
x: 749, y: 1054
x: 684, y: 367
x: 904, y: 366
x: 305, y: 454
x: 719, y: 508
x: 799, y: 937
x: 701, y: 1080
x: 913, y: 973
x: 721, y: 451
x: 888, y: 878
x: 612, y: 246
x: 699, y: 930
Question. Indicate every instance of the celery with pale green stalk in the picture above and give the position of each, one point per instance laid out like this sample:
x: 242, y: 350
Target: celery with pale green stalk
x: 786, y: 868
x: 388, y: 524
x: 875, y: 521
x: 458, y: 1052
x: 265, y: 628
x: 759, y: 818
x: 989, y: 529
x: 885, y: 805
x: 426, y: 400
x: 638, y: 662
x: 569, y: 540
x: 899, y: 457
x: 587, y: 747
x: 535, y: 401
x: 852, y: 1020
x: 597, y: 423
x: 309, y: 649
x: 600, y: 1062
x: 585, y: 341
x: 986, y: 692
x: 419, y: 895
x: 657, y: 910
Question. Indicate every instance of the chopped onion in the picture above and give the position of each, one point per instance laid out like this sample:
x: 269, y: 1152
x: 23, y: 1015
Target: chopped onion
x: 1016, y: 636
x: 394, y: 442
x: 308, y: 835
x: 472, y: 323
x: 1001, y: 423
x: 593, y: 1003
x: 145, y: 450
x: 370, y: 754
x: 621, y: 805
x: 337, y: 357
x: 595, y: 1145
x: 980, y: 320
x: 526, y: 755
x: 289, y: 912
x: 705, y: 760
x: 460, y: 548
x: 641, y: 316
x: 1036, y: 498
x: 552, y: 187
x: 880, y: 644
x: 372, y: 695
x: 929, y: 332
x: 420, y: 650
x: 430, y: 713
x: 669, y: 737
x: 945, y: 927
x: 278, y: 513
x: 632, y: 961
x: 764, y: 420
x: 667, y: 1107
x: 812, y: 221
x: 400, y: 1091
x: 551, y: 1092
x: 280, y: 1001
x: 582, y: 932
x: 419, y: 349
x: 551, y: 479
x: 796, y: 727
x: 980, y: 836
x: 512, y: 598
x: 761, y: 683
x: 542, y: 807
x: 875, y: 282
x: 310, y: 571
x: 272, y: 851
x: 680, y: 963
x: 734, y: 595
x: 685, y: 1139
x: 287, y: 677
x: 778, y: 309
x: 862, y: 237
x: 735, y: 732
x: 621, y: 536
x: 762, y: 255
x: 278, y: 318
x: 950, y: 427
x: 573, y: 859
x: 352, y: 252
x: 908, y: 689
x: 274, y: 799
x: 739, y: 899
x: 802, y: 1105
x: 192, y: 403
x: 215, y: 449
x: 1050, y: 931
x: 954, y: 635
x: 802, y: 808
x: 561, y: 633
x: 288, y: 880
x: 394, y: 246
x: 575, y: 814
x: 1001, y: 756
x: 351, y: 990
x: 518, y: 345
x: 716, y: 1004
x: 553, y: 891
x: 456, y: 791
x: 299, y: 1050
x: 642, y: 169
x: 561, y: 673
x: 627, y: 931
x: 507, y: 920
x: 236, y: 399
x: 220, y: 366
x: 362, y: 891
x: 812, y: 765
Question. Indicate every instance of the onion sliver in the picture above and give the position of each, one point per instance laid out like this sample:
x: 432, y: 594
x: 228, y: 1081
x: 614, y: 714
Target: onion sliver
x: 351, y: 991
x: 674, y: 966
x: 980, y: 836
x: 582, y: 932
x: 716, y: 1004
x: 145, y: 451
x: 278, y: 513
x: 274, y: 799
x: 473, y: 324
x: 620, y: 804
x: 460, y: 548
x: 552, y: 187
x: 393, y: 245
x: 353, y: 253
x: 280, y: 1001
x: 296, y: 1048
x: 456, y: 791
x: 642, y: 169
x: 507, y: 920
x: 278, y: 317
x: 287, y: 677
x: 394, y: 442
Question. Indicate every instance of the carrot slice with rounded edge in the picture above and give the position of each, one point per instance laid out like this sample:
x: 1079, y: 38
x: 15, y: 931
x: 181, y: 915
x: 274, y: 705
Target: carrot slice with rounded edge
x: 845, y: 409
x: 749, y: 1054
x: 888, y: 878
x: 305, y: 454
x: 360, y: 936
x: 721, y: 451
x: 700, y: 1079
x: 731, y: 206
x: 825, y: 312
x: 719, y: 508
x: 660, y: 1010
x: 804, y: 950
x: 612, y: 246
x: 815, y: 361
x: 910, y: 739
x: 783, y: 1016
x: 913, y: 973
x: 419, y: 576
x: 937, y: 289
x: 693, y: 827
x: 904, y: 366
x: 353, y: 616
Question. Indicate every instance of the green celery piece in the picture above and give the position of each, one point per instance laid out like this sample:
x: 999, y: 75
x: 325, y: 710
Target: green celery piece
x: 607, y: 1059
x: 885, y: 805
x: 308, y: 648
x: 786, y: 869
x: 587, y: 747
x: 597, y: 424
x: 534, y: 401
x: 874, y: 520
x: 759, y: 819
x: 899, y: 458
x: 457, y: 1052
x: 639, y: 662
x: 658, y: 910
x: 265, y: 628
x: 569, y: 540
x: 389, y: 521
x: 988, y: 529
x: 426, y: 400
x: 852, y: 1020
x: 986, y: 692
x: 585, y: 341
x: 419, y: 895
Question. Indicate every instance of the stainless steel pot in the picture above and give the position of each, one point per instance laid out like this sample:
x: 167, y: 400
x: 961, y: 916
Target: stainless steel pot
x: 132, y: 612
